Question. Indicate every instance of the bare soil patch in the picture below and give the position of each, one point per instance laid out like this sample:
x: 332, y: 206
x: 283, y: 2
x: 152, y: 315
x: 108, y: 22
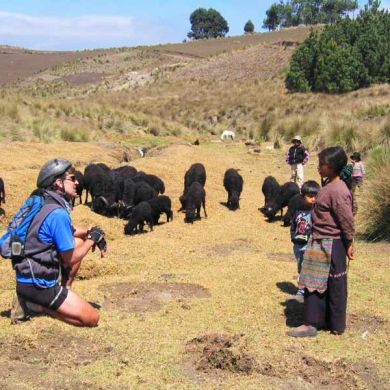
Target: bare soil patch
x: 13, y: 375
x: 16, y: 66
x: 363, y: 322
x: 260, y: 62
x: 227, y: 248
x: 84, y: 78
x: 56, y: 349
x: 144, y: 297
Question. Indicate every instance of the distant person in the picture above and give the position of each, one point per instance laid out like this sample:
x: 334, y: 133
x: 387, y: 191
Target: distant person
x: 301, y: 226
x: 324, y: 267
x: 358, y: 173
x: 297, y: 156
x: 53, y: 253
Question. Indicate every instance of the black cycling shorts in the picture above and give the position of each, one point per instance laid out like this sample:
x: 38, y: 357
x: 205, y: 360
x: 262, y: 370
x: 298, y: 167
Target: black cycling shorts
x: 52, y: 297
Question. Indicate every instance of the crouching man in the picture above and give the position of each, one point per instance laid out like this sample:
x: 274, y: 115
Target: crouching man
x: 53, y: 253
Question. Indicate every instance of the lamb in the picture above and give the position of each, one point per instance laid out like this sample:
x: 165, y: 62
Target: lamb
x: 161, y: 204
x: 140, y: 214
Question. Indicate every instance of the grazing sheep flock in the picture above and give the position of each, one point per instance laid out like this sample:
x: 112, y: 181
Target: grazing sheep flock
x: 136, y: 196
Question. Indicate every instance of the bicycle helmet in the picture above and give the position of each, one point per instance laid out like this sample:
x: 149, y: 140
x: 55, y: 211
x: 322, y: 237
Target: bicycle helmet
x: 51, y: 170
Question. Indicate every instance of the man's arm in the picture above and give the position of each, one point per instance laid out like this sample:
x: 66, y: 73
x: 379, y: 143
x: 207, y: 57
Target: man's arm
x: 75, y: 255
x: 81, y: 232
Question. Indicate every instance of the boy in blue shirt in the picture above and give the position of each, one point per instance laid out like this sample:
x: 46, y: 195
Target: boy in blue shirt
x: 301, y: 225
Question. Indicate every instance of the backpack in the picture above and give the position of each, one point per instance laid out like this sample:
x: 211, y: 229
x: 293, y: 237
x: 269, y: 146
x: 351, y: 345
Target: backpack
x: 13, y: 241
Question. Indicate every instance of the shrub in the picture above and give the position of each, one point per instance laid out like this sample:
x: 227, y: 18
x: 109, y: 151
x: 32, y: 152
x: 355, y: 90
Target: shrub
x: 376, y: 199
x: 347, y: 55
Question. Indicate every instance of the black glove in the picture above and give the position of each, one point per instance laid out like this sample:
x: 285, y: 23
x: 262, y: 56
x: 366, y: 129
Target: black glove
x: 96, y: 234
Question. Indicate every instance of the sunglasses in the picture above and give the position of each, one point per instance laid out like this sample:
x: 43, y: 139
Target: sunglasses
x: 71, y: 178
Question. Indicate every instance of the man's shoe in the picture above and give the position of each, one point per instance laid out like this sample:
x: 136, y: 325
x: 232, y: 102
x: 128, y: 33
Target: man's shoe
x: 303, y: 331
x: 19, y: 311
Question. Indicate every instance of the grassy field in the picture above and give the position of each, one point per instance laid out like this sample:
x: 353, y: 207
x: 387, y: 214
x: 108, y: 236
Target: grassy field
x: 182, y: 300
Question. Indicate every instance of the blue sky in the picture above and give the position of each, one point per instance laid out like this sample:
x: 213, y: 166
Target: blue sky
x: 72, y: 25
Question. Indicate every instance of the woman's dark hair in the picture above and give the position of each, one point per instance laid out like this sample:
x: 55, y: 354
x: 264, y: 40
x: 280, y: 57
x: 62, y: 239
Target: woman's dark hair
x: 310, y: 187
x: 335, y: 157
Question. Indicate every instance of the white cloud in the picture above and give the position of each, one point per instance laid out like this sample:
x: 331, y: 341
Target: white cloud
x: 12, y: 24
x: 90, y: 31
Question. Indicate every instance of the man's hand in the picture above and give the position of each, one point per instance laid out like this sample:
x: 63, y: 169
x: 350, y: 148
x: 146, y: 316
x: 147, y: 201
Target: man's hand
x: 96, y: 234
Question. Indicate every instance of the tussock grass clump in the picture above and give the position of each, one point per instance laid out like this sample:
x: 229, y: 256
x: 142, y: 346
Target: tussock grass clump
x: 376, y: 213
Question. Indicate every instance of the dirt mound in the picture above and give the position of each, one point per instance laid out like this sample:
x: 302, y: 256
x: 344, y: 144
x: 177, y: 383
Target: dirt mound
x: 214, y: 354
x: 220, y: 352
x: 143, y: 297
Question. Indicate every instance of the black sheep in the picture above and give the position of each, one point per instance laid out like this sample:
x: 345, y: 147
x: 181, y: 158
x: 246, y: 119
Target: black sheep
x: 79, y: 187
x: 270, y: 189
x: 195, y: 198
x: 196, y: 173
x: 96, y: 180
x: 161, y: 204
x: 126, y: 171
x: 133, y: 194
x: 153, y: 180
x: 233, y: 182
x: 140, y: 214
x: 286, y: 192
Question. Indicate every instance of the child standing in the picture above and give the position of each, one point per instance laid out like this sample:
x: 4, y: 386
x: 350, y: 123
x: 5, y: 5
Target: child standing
x: 301, y: 225
x: 358, y: 173
x: 297, y: 157
x: 324, y: 267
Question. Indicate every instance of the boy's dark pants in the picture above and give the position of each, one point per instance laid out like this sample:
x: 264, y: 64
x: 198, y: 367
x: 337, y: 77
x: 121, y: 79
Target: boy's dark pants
x: 328, y: 310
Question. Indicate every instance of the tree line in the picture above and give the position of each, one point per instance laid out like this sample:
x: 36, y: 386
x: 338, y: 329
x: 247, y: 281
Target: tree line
x: 345, y: 56
x: 209, y: 23
x: 295, y: 12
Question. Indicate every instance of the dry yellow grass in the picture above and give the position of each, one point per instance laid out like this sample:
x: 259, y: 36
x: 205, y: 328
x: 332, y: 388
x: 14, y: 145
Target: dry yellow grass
x: 232, y: 255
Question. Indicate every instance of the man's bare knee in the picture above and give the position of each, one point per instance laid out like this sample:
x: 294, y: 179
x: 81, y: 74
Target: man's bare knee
x: 92, y: 319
